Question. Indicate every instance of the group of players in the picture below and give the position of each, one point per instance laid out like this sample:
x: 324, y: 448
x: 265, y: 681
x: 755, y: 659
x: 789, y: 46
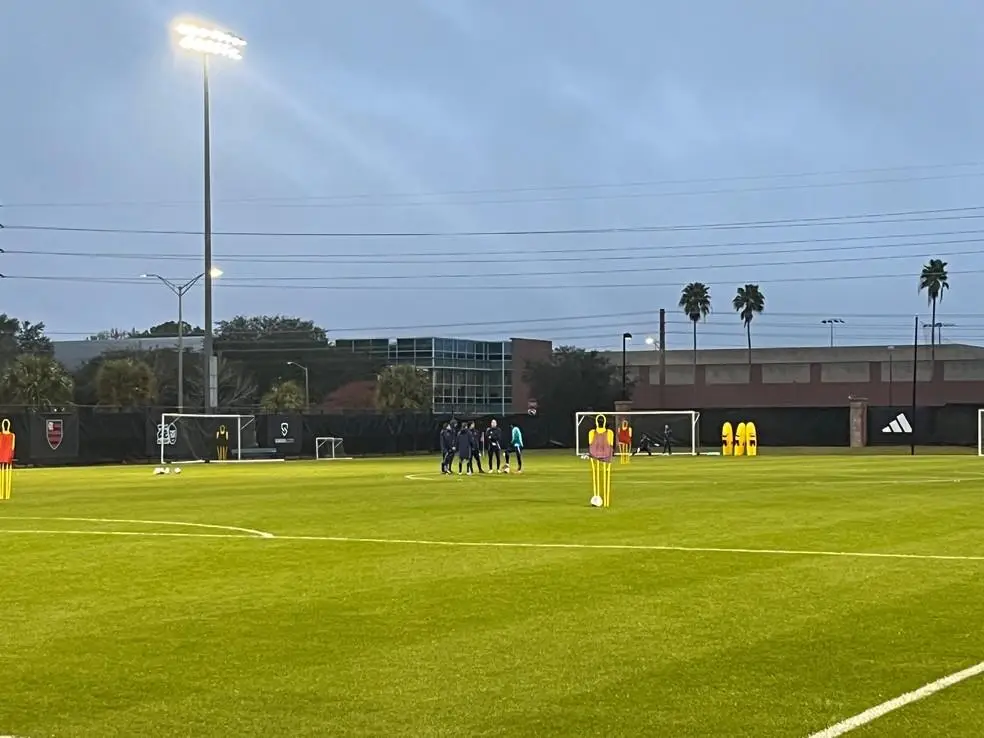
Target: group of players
x: 469, y: 444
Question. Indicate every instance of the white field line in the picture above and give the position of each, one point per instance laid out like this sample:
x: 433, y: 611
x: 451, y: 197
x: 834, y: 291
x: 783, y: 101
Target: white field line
x: 507, y: 544
x: 248, y: 531
x: 846, y: 479
x: 857, y: 721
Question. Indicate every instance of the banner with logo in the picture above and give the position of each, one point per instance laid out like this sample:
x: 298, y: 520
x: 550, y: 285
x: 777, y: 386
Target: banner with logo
x: 899, y: 426
x: 284, y: 433
x: 54, y: 437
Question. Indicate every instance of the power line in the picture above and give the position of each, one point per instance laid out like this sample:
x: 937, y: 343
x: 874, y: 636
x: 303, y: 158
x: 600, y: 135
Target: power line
x: 328, y: 199
x: 562, y: 255
x: 279, y: 283
x: 937, y: 214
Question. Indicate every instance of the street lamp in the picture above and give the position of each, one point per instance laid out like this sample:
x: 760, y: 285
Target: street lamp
x: 307, y: 386
x: 626, y: 337
x: 180, y: 290
x: 208, y: 41
x: 832, y: 322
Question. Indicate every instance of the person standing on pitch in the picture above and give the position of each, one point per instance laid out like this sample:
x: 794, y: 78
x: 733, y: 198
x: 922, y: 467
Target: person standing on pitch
x: 493, y: 444
x: 517, y: 447
x: 447, y: 448
x: 667, y: 440
x: 464, y: 449
x: 476, y: 439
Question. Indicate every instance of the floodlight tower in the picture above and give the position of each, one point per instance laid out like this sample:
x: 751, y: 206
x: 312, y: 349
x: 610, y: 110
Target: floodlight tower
x: 207, y: 40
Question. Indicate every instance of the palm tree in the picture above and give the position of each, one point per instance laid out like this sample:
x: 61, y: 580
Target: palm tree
x: 934, y: 280
x: 37, y: 382
x: 695, y: 301
x: 749, y: 302
x: 285, y: 395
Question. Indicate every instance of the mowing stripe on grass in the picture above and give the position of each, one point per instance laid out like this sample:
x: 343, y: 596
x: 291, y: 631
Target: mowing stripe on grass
x: 497, y: 544
x: 908, y: 698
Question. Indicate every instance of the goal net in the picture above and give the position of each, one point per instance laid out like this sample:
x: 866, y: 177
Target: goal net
x: 189, y: 437
x: 653, y: 431
x: 329, y: 448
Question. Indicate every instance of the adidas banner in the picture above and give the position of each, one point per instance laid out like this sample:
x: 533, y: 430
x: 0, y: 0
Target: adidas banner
x: 898, y: 426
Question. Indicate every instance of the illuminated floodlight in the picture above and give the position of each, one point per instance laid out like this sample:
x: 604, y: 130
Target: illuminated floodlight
x: 210, y: 41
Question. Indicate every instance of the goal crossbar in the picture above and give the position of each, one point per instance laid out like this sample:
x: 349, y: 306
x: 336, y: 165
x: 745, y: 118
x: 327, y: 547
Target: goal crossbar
x: 330, y: 448
x: 683, y: 424
x: 167, y: 432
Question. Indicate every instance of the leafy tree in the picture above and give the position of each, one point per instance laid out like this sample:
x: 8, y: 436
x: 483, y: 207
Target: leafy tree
x: 265, y: 344
x: 22, y: 337
x: 695, y: 301
x: 404, y: 387
x: 36, y: 381
x: 125, y: 382
x: 169, y: 329
x: 286, y: 395
x: 113, y: 334
x: 574, y: 379
x: 749, y: 302
x: 935, y: 281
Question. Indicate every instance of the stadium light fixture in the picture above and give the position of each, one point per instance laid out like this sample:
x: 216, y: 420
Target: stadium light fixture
x: 208, y: 40
x: 650, y: 341
x: 831, y: 322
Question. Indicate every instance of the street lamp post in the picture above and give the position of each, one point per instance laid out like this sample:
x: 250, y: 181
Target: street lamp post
x: 626, y: 337
x: 307, y: 386
x: 208, y: 41
x: 831, y: 322
x: 180, y: 290
x: 891, y: 372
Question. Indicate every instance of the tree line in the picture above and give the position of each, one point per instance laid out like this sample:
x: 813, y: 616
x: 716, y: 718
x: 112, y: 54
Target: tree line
x: 261, y: 365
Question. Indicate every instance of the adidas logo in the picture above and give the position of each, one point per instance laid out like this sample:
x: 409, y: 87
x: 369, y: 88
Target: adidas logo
x: 899, y: 425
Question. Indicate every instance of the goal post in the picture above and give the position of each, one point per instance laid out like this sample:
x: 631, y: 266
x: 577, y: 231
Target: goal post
x: 194, y: 437
x: 683, y: 426
x: 980, y: 431
x: 329, y: 448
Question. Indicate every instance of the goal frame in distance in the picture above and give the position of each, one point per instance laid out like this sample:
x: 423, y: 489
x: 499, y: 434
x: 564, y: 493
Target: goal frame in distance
x: 216, y: 416
x: 588, y: 416
x: 320, y: 441
x: 980, y: 431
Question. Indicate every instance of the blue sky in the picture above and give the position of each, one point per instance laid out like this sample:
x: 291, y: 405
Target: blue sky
x: 450, y: 116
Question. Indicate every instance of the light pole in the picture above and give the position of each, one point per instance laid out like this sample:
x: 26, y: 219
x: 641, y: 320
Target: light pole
x: 208, y: 41
x: 307, y: 386
x: 832, y: 322
x: 626, y: 337
x: 891, y: 372
x: 180, y: 290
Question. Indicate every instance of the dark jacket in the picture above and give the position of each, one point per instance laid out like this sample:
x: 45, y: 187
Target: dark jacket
x: 464, y: 443
x: 493, y: 437
x: 447, y: 440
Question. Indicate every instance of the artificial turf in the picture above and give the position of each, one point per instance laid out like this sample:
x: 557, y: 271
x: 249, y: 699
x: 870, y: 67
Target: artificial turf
x: 203, y: 635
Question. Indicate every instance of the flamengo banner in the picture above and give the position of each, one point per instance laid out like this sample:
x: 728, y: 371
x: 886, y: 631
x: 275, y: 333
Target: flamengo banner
x: 54, y: 437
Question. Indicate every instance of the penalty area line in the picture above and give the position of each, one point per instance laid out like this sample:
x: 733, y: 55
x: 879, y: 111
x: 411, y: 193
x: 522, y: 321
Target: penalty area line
x: 872, y: 714
x: 250, y: 532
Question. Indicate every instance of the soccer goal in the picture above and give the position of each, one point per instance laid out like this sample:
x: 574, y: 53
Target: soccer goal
x: 649, y: 428
x: 190, y: 437
x: 329, y: 448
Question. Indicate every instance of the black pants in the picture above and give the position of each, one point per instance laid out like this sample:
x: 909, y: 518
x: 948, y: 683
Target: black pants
x: 463, y: 460
x: 446, y: 458
x: 668, y: 446
x: 519, y: 457
x: 476, y: 457
x: 644, y: 449
x: 495, y: 453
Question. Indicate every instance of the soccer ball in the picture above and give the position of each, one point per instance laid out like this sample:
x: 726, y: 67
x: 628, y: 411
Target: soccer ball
x: 505, y: 469
x: 158, y: 470
x: 167, y: 470
x: 177, y: 470
x: 596, y: 501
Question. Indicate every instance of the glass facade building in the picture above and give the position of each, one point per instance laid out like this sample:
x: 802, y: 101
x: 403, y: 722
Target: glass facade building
x: 467, y: 377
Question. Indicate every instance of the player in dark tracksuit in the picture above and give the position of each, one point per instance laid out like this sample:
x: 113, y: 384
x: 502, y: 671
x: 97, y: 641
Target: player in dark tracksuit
x: 464, y: 449
x: 645, y: 445
x: 476, y: 439
x: 667, y: 441
x: 493, y: 444
x: 447, y: 448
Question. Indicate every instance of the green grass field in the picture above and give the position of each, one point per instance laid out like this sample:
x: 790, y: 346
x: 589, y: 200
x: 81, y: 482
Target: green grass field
x: 355, y: 621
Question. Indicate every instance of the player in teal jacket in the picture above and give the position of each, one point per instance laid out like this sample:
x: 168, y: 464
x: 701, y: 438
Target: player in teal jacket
x: 516, y: 447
